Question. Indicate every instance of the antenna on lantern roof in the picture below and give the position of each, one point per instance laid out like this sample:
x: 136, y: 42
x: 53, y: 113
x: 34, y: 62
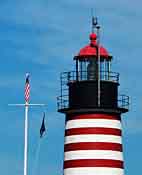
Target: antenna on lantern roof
x: 94, y: 21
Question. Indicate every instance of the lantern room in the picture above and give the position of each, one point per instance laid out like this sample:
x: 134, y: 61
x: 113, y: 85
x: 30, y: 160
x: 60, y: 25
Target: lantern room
x: 89, y: 58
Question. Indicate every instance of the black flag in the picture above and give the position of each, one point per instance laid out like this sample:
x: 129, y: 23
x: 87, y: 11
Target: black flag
x: 42, y: 129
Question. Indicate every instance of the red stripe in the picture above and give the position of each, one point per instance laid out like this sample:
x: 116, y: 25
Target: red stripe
x: 93, y: 146
x: 93, y: 163
x: 95, y: 130
x: 94, y: 116
x: 27, y: 92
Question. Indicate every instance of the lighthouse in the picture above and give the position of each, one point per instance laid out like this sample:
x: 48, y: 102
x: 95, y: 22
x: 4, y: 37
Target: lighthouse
x: 92, y: 106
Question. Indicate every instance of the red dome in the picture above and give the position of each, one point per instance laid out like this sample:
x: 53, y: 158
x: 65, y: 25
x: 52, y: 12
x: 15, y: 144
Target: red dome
x: 91, y: 49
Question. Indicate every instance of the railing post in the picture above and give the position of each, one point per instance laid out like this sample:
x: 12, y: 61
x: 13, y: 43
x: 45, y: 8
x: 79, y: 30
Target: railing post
x: 68, y: 76
x: 76, y: 70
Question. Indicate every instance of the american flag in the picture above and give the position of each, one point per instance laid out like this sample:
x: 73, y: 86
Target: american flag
x: 27, y: 89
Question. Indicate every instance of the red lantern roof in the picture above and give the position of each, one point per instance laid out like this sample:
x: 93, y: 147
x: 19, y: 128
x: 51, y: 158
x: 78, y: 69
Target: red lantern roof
x: 91, y: 50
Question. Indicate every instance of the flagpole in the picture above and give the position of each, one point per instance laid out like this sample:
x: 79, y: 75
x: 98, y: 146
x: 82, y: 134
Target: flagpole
x: 26, y: 140
x: 26, y: 105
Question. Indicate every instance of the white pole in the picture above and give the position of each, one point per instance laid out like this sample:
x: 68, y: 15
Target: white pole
x: 27, y: 105
x: 26, y: 140
x: 26, y: 131
x: 99, y: 85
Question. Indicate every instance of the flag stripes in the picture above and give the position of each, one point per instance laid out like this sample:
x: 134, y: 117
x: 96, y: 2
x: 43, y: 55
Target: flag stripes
x: 27, y: 89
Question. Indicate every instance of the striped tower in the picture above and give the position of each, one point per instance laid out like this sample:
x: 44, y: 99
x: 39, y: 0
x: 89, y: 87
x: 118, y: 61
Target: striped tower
x: 93, y: 145
x: 90, y: 100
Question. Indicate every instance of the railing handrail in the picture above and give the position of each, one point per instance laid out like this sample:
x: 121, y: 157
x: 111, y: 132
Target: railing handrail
x: 82, y: 75
x: 123, y: 101
x: 67, y: 77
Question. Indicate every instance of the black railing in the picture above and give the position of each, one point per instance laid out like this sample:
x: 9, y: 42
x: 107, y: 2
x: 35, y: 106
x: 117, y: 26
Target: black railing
x: 123, y: 101
x: 63, y: 102
x: 68, y: 77
x: 84, y: 75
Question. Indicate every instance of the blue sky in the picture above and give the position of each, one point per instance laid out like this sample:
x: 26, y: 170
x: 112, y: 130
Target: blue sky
x: 41, y: 37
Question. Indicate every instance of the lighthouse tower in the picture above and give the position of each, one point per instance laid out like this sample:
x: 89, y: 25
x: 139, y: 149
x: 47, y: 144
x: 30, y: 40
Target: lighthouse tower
x: 90, y: 100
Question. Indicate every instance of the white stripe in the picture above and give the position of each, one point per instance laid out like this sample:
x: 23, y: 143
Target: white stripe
x: 93, y: 138
x: 81, y: 123
x: 93, y: 171
x: 93, y: 154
